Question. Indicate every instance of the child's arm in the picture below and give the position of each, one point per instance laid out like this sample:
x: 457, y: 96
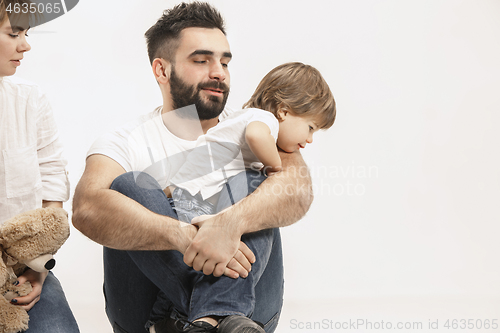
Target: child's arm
x: 263, y: 145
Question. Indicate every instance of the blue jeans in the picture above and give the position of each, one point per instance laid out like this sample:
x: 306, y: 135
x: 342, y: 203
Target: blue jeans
x: 52, y: 313
x: 134, y: 281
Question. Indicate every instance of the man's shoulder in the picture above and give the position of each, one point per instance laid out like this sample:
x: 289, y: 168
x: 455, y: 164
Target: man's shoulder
x: 128, y: 131
x: 139, y: 121
x: 125, y: 143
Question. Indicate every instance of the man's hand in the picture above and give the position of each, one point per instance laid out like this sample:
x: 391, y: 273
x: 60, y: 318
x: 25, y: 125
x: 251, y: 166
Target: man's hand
x: 36, y: 279
x: 217, y: 249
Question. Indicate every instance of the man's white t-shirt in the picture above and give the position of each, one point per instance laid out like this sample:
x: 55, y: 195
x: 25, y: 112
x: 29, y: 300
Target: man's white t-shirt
x: 201, y: 166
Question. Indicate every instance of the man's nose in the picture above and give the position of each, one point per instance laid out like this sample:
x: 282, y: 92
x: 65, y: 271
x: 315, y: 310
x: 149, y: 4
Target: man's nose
x: 217, y: 72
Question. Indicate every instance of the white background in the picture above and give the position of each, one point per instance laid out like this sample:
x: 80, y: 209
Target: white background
x: 405, y: 223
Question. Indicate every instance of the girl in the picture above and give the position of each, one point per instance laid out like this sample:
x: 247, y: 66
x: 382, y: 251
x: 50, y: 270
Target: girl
x: 32, y: 169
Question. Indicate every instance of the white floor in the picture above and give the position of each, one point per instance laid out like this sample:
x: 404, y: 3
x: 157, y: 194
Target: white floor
x: 426, y: 314
x: 81, y: 275
x: 422, y: 314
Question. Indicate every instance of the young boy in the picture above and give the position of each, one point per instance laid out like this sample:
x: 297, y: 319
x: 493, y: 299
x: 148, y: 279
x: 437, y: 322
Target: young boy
x: 291, y: 103
x: 32, y: 169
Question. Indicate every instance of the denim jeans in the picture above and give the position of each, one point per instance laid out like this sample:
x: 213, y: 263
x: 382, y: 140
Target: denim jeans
x: 188, y: 207
x: 52, y: 313
x: 134, y: 281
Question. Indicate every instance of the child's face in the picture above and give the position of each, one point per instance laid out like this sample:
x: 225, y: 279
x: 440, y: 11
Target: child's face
x: 13, y: 44
x: 295, y: 131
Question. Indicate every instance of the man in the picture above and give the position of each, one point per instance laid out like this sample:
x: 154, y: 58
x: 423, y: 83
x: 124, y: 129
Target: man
x: 228, y: 269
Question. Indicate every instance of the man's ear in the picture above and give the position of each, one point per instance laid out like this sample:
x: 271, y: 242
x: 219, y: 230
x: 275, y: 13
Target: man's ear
x: 161, y: 70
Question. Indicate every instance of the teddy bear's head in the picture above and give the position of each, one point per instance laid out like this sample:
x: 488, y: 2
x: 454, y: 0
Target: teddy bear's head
x: 28, y: 239
x: 36, y: 234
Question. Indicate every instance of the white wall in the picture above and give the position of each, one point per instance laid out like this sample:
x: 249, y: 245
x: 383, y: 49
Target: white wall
x: 407, y: 179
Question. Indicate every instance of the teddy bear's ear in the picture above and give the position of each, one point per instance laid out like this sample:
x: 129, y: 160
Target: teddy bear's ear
x: 4, y: 275
x: 2, y: 242
x: 36, y: 232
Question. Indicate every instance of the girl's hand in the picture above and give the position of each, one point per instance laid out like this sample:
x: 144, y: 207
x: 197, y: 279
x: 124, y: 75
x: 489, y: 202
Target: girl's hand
x: 36, y: 279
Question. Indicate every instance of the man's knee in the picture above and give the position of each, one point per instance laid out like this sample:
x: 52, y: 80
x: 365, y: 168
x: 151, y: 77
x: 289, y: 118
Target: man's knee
x: 239, y: 187
x: 254, y: 178
x: 262, y: 245
x: 123, y: 182
x: 134, y: 179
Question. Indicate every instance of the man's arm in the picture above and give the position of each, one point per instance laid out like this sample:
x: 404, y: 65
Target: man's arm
x: 116, y: 221
x: 280, y: 200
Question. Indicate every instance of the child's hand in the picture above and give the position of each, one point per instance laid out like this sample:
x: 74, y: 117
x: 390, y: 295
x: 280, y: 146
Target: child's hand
x: 269, y: 171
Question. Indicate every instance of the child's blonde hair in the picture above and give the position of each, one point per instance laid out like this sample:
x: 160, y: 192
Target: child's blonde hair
x: 297, y: 88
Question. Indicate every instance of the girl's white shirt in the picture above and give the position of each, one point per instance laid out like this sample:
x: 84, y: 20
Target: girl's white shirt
x: 32, y: 166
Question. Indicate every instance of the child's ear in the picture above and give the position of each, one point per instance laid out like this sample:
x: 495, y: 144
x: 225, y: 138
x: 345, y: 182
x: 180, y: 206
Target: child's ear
x: 282, y: 113
x: 161, y: 70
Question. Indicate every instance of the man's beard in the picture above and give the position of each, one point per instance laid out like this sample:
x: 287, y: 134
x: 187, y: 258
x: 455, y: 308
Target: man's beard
x: 184, y: 95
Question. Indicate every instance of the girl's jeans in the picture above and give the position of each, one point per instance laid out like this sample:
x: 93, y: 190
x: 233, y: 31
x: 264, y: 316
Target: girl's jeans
x: 142, y: 285
x: 51, y: 314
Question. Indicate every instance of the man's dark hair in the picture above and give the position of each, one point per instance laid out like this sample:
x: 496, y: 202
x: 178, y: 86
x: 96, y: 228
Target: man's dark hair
x: 163, y: 37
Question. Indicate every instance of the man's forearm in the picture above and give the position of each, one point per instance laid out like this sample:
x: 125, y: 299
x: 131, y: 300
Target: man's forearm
x: 280, y: 200
x: 116, y: 221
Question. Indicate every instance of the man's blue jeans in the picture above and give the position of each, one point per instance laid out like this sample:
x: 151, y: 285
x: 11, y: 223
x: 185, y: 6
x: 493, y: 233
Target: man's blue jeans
x: 133, y: 280
x: 51, y: 314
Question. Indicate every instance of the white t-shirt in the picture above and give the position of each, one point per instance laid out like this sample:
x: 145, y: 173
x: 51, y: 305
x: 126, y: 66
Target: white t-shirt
x: 197, y: 166
x: 32, y: 167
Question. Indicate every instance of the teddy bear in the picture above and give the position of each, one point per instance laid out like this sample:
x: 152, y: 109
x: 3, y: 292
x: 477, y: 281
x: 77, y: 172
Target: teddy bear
x: 28, y: 240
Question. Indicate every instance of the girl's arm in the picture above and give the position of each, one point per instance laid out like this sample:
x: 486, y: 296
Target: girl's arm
x: 263, y: 145
x: 57, y: 204
x: 55, y: 187
x: 51, y: 161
